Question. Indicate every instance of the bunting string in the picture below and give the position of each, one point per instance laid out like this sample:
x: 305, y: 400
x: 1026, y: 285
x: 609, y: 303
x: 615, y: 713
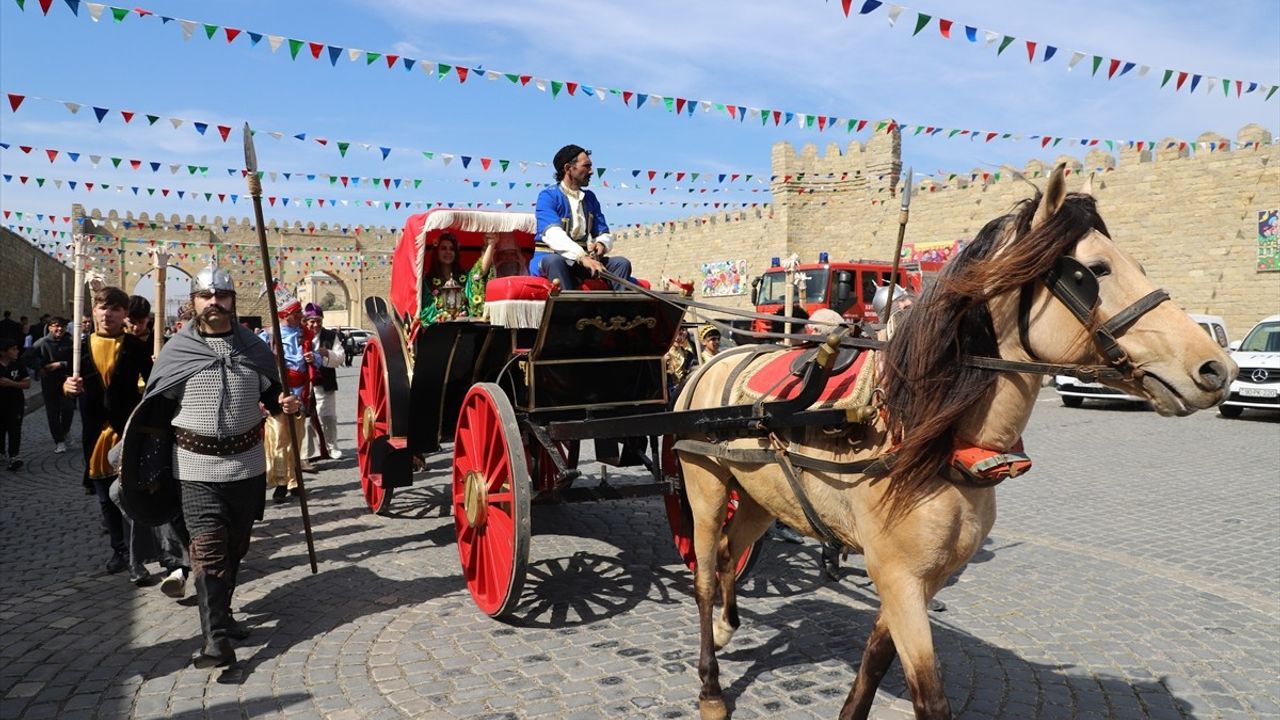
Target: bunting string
x: 1044, y: 52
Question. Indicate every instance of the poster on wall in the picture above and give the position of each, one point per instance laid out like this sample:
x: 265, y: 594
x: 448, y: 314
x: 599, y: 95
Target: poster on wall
x: 1269, y: 241
x: 724, y: 277
x: 938, y: 251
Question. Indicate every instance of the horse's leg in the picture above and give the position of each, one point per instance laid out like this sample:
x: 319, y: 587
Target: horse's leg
x: 876, y: 659
x: 708, y: 494
x: 747, y: 525
x: 904, y: 610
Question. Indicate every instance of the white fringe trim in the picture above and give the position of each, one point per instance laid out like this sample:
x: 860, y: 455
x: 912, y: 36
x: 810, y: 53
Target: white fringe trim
x: 476, y: 221
x: 515, y: 313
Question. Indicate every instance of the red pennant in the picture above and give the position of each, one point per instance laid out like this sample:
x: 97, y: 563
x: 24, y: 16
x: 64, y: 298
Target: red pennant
x: 524, y: 79
x: 1182, y: 146
x: 462, y: 74
x: 44, y: 5
x: 679, y: 176
x: 1140, y: 144
x: 652, y: 190
x: 322, y: 141
x: 26, y: 149
x: 22, y: 179
x: 484, y: 163
x: 1239, y: 83
x: 1111, y: 69
x: 127, y: 115
x: 52, y: 154
x: 1182, y: 77
x: 321, y: 202
x: 6, y: 214
x: 652, y: 173
x: 991, y: 136
x: 733, y: 177
x: 15, y: 100
x: 944, y: 27
x: 679, y: 105
x: 136, y: 164
x: 231, y: 34
x: 626, y: 97
x: 142, y: 12
x: 391, y: 61
x: 316, y: 49
x: 224, y: 131
x: 572, y: 87
x: 846, y: 4
x: 222, y: 197
x: 88, y: 186
x: 893, y: 125
x: 733, y: 111
x: 1045, y: 140
x: 343, y: 180
x: 861, y: 124
x: 777, y: 117
x: 822, y: 123
x: 1031, y: 50
x: 271, y: 199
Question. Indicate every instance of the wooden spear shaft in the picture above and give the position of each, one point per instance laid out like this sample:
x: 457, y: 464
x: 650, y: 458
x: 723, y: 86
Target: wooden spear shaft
x: 903, y: 216
x: 255, y: 192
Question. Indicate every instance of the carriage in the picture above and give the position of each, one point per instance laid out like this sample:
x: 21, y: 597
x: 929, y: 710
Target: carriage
x: 496, y: 386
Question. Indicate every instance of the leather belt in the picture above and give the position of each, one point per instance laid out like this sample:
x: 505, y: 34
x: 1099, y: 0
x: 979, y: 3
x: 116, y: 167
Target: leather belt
x: 219, y: 446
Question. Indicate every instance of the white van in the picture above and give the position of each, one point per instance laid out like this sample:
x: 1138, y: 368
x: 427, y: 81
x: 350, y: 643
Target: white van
x: 1258, y: 384
x: 1073, y: 392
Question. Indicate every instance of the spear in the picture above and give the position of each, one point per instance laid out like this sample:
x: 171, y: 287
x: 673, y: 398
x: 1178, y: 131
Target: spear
x: 77, y: 301
x: 897, y: 253
x: 255, y: 192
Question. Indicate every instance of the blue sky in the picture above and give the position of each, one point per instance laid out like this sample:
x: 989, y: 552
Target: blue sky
x: 803, y: 56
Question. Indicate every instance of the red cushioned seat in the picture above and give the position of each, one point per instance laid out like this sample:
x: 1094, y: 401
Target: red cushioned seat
x: 516, y: 301
x: 775, y: 380
x: 593, y: 284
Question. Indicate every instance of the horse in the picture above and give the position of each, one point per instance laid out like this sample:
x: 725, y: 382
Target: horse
x: 1042, y: 289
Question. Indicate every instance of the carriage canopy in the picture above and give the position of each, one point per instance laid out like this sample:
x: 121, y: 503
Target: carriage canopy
x: 411, y: 261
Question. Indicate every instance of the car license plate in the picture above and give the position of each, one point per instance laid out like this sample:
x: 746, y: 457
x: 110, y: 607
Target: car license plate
x: 1258, y: 392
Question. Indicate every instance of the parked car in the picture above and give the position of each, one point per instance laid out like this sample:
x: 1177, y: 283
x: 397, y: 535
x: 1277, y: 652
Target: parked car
x: 1074, y: 392
x: 1258, y: 384
x: 358, y: 337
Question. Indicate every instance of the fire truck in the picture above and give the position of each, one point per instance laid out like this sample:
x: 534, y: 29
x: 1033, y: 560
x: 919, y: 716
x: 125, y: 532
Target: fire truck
x: 846, y: 287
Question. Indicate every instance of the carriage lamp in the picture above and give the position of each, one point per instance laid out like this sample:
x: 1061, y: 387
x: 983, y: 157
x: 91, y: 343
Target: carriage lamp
x: 451, y: 299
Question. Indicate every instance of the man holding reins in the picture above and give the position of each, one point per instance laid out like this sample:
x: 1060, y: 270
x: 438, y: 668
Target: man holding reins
x: 571, y: 224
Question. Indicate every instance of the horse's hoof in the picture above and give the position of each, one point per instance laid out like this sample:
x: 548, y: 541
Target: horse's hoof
x: 712, y: 709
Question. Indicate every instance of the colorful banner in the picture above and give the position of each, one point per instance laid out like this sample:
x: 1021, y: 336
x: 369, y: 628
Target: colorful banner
x: 725, y: 277
x: 1116, y: 67
x: 1269, y: 241
x: 932, y: 252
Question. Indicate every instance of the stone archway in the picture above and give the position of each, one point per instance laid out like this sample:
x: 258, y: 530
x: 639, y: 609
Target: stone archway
x: 330, y: 292
x: 177, y: 292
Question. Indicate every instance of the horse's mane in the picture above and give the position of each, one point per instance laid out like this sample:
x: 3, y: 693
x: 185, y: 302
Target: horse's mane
x: 927, y: 387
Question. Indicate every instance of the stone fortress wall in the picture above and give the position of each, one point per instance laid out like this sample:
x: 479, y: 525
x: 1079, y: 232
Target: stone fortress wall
x: 1191, y: 219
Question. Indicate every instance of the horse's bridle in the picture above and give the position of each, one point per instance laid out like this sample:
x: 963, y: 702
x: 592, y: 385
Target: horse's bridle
x: 1075, y: 286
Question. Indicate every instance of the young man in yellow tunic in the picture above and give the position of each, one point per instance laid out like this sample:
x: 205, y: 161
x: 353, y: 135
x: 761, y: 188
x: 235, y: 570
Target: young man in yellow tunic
x: 113, y: 368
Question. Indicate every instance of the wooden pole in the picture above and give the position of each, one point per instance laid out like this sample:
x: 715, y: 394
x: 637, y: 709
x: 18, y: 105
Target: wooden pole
x: 161, y: 260
x: 903, y: 216
x: 77, y: 337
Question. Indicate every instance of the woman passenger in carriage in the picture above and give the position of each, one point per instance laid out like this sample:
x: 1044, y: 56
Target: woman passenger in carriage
x: 444, y: 267
x: 501, y: 258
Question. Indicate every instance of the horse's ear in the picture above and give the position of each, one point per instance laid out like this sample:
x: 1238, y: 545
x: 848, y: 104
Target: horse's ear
x: 1054, y: 195
x: 1087, y: 188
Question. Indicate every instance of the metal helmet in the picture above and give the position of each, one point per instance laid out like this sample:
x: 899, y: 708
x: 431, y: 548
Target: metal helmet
x: 881, y: 299
x: 212, y: 278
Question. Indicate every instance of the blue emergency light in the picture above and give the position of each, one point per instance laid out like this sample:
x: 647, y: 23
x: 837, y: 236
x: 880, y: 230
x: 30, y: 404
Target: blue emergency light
x: 775, y: 262
x: 823, y: 257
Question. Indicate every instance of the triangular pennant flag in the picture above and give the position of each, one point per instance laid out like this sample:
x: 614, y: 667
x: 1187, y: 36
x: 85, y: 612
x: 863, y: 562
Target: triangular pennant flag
x: 921, y: 21
x: 95, y: 11
x: 1049, y: 51
x: 118, y: 13
x: 894, y: 12
x: 224, y: 131
x: 385, y: 152
x: 15, y: 100
x: 101, y: 112
x: 1031, y: 51
x: 254, y: 38
x: 334, y: 53
x: 1008, y: 39
x: 209, y: 30
x: 371, y: 57
x: 274, y: 41
x: 294, y: 47
x: 1167, y: 74
x: 231, y: 34
x: 1111, y: 69
x: 1195, y: 80
x: 944, y: 28
x: 127, y: 115
x: 201, y: 127
x: 1097, y: 62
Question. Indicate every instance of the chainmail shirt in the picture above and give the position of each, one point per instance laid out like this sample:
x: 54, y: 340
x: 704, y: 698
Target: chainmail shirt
x: 220, y: 401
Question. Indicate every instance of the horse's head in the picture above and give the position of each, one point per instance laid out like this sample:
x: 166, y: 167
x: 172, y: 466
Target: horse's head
x: 1096, y: 306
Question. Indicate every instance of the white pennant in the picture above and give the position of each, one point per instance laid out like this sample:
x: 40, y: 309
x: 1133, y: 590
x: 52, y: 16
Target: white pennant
x: 95, y: 159
x: 492, y: 75
x: 177, y: 122
x: 354, y: 53
x: 173, y: 169
x: 95, y: 10
x: 446, y: 158
x: 428, y: 67
x: 894, y: 12
x: 272, y: 175
x: 1143, y: 70
x: 524, y: 166
x: 1076, y: 56
x: 602, y: 94
x: 274, y: 41
x: 57, y: 184
x: 540, y: 84
x: 276, y: 134
x: 73, y: 107
x: 188, y: 27
x: 990, y: 36
x: 705, y: 105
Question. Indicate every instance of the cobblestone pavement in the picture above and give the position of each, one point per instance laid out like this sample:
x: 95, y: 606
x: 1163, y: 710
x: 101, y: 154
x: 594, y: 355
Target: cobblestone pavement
x: 1132, y: 574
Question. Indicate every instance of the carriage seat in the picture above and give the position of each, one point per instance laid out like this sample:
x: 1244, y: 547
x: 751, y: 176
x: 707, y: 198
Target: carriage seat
x: 780, y: 379
x: 595, y: 283
x: 516, y: 301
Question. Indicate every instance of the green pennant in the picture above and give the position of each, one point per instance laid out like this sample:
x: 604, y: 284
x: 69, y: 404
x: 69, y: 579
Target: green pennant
x: 119, y: 14
x: 370, y: 57
x: 600, y: 172
x: 1226, y: 85
x: 116, y: 161
x: 720, y: 107
x: 191, y: 169
x: 386, y: 204
x: 209, y: 30
x: 1097, y: 61
x: 514, y: 78
x: 428, y: 154
x: 556, y: 86
x: 442, y: 69
x: 1004, y: 44
x: 493, y: 183
x: 693, y: 177
x: 208, y: 197
x: 40, y: 183
x: 1056, y: 141
x: 22, y: 5
x: 670, y: 103
x: 1272, y: 92
x: 308, y: 202
x: 377, y: 181
x: 151, y: 119
x: 953, y: 133
x: 504, y: 164
x: 1006, y: 136
x: 294, y: 47
x: 342, y: 148
x: 151, y: 191
x: 333, y: 179
x: 921, y: 21
x: 764, y: 117
x: 1167, y: 74
x: 417, y: 183
x: 919, y: 129
x: 849, y: 126
x: 1111, y: 145
x: 881, y: 125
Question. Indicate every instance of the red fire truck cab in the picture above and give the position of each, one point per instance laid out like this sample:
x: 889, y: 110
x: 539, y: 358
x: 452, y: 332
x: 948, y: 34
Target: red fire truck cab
x: 846, y: 287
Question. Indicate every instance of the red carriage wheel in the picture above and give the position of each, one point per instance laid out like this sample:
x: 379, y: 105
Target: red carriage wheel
x: 680, y: 516
x: 373, y: 422
x: 491, y: 499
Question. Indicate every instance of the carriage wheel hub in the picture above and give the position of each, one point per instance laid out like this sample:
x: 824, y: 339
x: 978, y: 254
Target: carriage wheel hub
x: 475, y: 498
x: 367, y: 422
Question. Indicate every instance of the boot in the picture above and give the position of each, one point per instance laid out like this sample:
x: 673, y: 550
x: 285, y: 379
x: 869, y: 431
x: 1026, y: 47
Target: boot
x: 215, y: 619
x: 235, y: 630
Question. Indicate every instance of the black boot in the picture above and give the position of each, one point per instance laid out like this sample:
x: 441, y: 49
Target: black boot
x: 235, y: 629
x: 215, y: 619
